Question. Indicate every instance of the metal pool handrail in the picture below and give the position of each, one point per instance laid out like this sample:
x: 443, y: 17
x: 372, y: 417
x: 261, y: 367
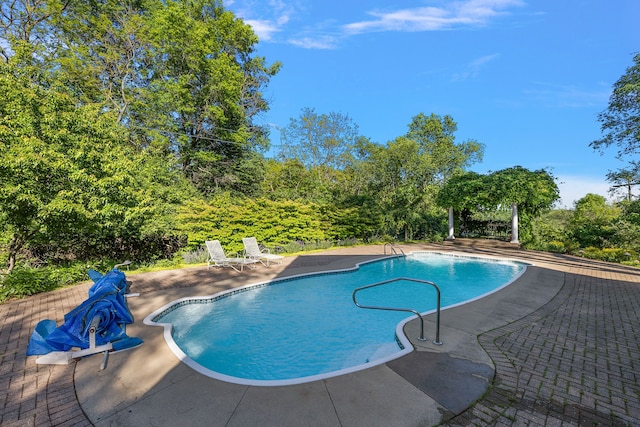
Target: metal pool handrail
x: 421, y: 338
x: 393, y: 249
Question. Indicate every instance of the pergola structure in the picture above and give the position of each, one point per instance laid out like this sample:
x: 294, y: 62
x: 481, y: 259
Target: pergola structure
x: 514, y: 224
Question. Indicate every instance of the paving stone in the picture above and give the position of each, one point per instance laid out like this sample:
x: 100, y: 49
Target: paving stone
x: 574, y: 361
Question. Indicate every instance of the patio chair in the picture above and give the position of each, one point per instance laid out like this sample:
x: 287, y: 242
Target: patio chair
x: 253, y: 251
x: 218, y: 258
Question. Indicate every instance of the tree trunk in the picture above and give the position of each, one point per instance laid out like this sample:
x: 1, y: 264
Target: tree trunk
x: 16, y: 244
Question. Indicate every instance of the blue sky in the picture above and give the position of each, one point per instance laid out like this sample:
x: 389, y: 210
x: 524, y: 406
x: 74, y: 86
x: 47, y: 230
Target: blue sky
x: 525, y: 78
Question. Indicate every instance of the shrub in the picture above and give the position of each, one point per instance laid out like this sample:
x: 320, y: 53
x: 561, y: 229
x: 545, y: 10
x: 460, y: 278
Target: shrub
x: 24, y: 281
x: 196, y: 256
x: 557, y: 247
x: 302, y: 246
x: 270, y: 222
x: 608, y: 254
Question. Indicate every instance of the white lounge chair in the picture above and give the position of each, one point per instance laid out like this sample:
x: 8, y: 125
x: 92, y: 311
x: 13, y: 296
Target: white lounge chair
x: 218, y: 258
x: 253, y: 251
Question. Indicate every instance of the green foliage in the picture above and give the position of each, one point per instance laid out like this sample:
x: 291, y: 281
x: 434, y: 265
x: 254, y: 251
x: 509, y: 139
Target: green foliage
x: 534, y: 192
x: 320, y: 139
x: 291, y: 180
x: 627, y: 226
x: 354, y: 218
x: 24, y: 281
x: 621, y: 121
x: 180, y: 76
x: 396, y: 185
x: 556, y: 246
x: 608, y: 254
x: 435, y: 136
x: 592, y: 223
x: 207, y: 87
x: 272, y: 223
x: 594, y: 229
x: 550, y: 231
x: 69, y: 181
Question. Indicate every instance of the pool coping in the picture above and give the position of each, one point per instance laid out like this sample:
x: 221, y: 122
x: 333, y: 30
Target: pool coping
x: 135, y: 390
x: 405, y: 344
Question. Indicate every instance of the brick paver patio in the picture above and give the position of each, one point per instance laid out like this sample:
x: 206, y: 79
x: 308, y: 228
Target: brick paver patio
x: 572, y: 362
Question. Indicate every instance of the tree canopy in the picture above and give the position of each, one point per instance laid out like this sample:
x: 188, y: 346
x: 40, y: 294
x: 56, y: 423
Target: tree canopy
x: 533, y: 191
x: 128, y: 128
x: 180, y: 76
x: 625, y: 178
x: 67, y: 176
x: 435, y: 136
x: 620, y: 122
x: 107, y: 106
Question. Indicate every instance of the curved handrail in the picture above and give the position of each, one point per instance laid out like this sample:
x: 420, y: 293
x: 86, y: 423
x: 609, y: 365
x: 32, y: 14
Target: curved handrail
x: 384, y: 282
x: 393, y: 249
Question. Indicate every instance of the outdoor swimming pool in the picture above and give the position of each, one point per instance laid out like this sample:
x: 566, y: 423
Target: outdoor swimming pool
x: 306, y: 328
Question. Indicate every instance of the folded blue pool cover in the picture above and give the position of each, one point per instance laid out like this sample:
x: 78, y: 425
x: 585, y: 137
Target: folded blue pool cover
x: 106, y: 300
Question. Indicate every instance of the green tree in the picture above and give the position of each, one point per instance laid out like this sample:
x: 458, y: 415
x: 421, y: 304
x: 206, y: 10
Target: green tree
x: 592, y: 221
x: 625, y: 178
x: 436, y: 138
x: 68, y: 179
x: 26, y: 23
x: 534, y: 192
x: 627, y: 226
x: 549, y: 231
x: 290, y: 180
x: 207, y: 88
x: 181, y: 76
x: 320, y: 140
x: 401, y: 183
x: 620, y: 123
x: 104, y: 53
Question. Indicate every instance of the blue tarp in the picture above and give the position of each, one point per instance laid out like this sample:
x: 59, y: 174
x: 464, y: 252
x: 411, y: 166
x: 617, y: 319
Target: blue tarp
x: 106, y: 300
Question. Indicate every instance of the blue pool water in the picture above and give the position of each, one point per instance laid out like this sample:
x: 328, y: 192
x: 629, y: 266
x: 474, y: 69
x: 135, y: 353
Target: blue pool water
x: 308, y: 327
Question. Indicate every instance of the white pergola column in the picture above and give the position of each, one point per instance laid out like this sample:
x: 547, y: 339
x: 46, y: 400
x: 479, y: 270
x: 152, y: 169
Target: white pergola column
x: 450, y: 236
x: 514, y: 223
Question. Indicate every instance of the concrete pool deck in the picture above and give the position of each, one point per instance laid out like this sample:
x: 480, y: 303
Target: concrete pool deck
x: 560, y: 346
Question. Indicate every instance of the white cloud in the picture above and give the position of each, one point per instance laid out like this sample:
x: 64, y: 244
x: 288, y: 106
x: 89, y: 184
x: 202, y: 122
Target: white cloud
x: 450, y: 15
x: 274, y: 16
x: 324, y: 42
x: 263, y: 29
x: 280, y: 17
x: 473, y: 69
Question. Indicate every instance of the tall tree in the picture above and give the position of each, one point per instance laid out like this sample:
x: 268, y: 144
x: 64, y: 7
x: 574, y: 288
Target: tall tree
x: 620, y: 122
x: 67, y: 174
x: 181, y: 76
x: 104, y: 53
x: 592, y: 221
x: 27, y: 23
x: 625, y: 178
x: 436, y: 137
x: 320, y: 140
x: 207, y: 88
x: 401, y: 184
